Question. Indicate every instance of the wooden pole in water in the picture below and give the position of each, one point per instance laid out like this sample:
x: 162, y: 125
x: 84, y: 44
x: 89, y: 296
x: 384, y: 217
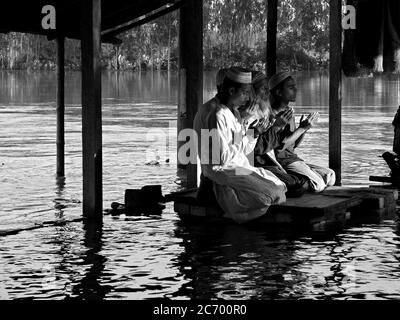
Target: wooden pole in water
x: 91, y: 110
x: 272, y: 29
x: 190, y: 75
x: 60, y: 107
x: 335, y: 92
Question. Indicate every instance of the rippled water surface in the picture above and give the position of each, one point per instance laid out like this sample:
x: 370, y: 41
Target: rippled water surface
x: 160, y: 256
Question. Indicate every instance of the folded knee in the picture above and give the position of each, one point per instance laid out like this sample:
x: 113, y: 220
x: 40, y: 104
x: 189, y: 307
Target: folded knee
x: 318, y: 187
x: 332, y: 178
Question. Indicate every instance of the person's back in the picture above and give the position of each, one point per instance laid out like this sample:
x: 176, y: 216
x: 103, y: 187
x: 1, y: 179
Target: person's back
x: 204, y: 122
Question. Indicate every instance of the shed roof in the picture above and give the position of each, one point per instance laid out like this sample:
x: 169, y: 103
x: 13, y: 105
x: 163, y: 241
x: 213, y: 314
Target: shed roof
x: 26, y: 16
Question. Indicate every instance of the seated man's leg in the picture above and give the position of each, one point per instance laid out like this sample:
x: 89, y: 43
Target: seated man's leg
x: 327, y: 174
x: 300, y: 179
x: 296, y: 184
x: 287, y: 179
x: 300, y: 167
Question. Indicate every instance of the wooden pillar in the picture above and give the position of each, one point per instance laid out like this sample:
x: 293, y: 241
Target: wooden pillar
x: 60, y: 107
x: 91, y: 109
x: 190, y: 74
x: 272, y: 28
x: 335, y: 90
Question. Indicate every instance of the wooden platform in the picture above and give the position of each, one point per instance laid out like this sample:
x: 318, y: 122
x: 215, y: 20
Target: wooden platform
x: 394, y: 181
x: 333, y: 207
x: 380, y: 179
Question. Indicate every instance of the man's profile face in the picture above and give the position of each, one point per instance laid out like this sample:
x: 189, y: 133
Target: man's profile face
x: 263, y: 90
x: 289, y: 90
x: 240, y: 96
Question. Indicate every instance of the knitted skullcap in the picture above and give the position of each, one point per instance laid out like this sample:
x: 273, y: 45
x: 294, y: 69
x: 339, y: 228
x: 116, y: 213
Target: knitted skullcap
x: 278, y: 79
x: 258, y: 78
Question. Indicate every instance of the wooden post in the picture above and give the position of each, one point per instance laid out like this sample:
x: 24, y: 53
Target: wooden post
x: 335, y: 92
x: 60, y: 107
x: 190, y: 74
x: 272, y: 27
x: 91, y: 109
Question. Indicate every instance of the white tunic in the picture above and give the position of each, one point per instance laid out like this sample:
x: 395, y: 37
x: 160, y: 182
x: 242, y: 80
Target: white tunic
x: 243, y: 191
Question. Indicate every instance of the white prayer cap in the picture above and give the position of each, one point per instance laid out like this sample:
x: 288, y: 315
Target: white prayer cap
x: 278, y: 78
x: 239, y: 75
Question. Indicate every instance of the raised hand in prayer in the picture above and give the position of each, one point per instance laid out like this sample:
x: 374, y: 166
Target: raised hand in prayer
x: 248, y: 111
x: 260, y: 126
x: 298, y: 135
x: 310, y: 121
x: 282, y: 119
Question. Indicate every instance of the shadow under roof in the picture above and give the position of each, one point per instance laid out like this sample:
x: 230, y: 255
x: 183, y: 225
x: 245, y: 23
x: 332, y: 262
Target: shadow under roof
x: 26, y: 15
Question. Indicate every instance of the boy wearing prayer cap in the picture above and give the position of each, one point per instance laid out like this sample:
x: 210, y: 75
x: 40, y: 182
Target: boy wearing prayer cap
x: 270, y: 139
x: 283, y: 90
x: 243, y: 191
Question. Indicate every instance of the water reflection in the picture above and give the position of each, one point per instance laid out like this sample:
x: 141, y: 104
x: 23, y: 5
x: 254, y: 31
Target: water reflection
x: 233, y: 262
x: 59, y: 206
x: 90, y: 287
x: 143, y: 258
x: 367, y: 93
x: 40, y: 87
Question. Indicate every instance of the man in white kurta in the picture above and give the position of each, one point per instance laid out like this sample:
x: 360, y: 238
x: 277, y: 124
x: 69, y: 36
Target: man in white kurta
x: 243, y: 191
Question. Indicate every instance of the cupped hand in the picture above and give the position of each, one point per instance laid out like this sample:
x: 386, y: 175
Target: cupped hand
x: 260, y: 126
x: 283, y: 118
x: 310, y: 121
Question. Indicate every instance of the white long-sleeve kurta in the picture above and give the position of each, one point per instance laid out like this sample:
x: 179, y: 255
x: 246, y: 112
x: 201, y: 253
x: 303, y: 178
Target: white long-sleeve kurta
x: 243, y: 191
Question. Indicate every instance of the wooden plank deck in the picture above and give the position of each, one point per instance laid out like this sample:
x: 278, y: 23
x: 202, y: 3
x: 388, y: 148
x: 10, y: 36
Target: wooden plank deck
x: 334, y: 206
x: 380, y: 179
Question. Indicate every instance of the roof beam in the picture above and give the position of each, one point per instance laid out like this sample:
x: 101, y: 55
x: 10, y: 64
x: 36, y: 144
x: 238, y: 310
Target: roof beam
x: 116, y: 14
x: 139, y: 21
x: 129, y: 12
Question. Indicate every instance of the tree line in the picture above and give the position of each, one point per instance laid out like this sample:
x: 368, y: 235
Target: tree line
x: 234, y: 33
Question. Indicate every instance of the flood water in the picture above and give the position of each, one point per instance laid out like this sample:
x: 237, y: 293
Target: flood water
x: 160, y: 256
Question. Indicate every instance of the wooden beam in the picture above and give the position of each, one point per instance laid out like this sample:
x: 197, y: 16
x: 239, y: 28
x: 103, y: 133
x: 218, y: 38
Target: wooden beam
x: 335, y: 91
x: 76, y: 36
x: 272, y: 26
x: 116, y: 14
x: 190, y: 73
x: 91, y: 110
x: 140, y: 21
x: 60, y: 108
